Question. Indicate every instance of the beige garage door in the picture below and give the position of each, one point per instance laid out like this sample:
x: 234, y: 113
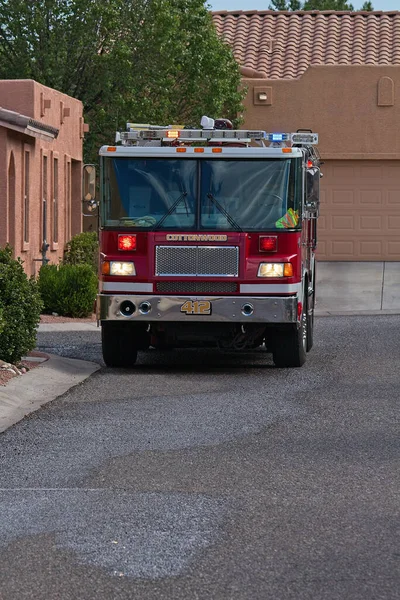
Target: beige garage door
x: 360, y: 211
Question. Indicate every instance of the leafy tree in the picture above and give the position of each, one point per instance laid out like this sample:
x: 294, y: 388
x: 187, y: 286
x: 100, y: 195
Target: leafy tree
x: 142, y: 60
x: 285, y: 5
x: 316, y: 5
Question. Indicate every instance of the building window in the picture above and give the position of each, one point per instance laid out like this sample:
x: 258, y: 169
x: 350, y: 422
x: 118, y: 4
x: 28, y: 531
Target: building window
x: 44, y: 200
x: 55, y: 200
x: 26, y: 198
x: 68, y: 202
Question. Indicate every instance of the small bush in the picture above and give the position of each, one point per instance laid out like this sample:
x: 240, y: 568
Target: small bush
x: 82, y: 249
x: 20, y: 308
x: 49, y: 287
x: 68, y: 290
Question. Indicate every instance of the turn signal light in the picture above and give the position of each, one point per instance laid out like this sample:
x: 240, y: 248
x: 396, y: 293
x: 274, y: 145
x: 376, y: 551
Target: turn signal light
x: 288, y: 270
x: 127, y: 242
x: 268, y: 243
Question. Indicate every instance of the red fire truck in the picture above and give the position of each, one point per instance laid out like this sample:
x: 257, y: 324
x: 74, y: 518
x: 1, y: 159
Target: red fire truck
x: 207, y: 239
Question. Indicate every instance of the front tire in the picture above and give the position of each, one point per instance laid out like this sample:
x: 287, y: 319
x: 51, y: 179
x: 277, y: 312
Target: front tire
x: 290, y: 347
x: 118, y: 344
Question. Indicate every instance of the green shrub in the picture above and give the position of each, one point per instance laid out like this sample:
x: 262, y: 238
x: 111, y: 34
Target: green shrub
x: 48, y: 282
x: 20, y: 308
x: 82, y: 249
x: 68, y: 290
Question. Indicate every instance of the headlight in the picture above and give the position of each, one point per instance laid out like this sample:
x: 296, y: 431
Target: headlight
x: 275, y: 270
x: 122, y: 268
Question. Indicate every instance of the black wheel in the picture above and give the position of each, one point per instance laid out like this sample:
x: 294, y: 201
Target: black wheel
x: 290, y: 346
x: 118, y: 344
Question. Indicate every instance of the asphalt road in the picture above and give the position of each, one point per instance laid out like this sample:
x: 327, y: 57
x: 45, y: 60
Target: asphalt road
x: 198, y: 475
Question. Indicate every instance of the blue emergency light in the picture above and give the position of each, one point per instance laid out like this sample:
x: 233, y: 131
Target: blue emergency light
x: 278, y: 137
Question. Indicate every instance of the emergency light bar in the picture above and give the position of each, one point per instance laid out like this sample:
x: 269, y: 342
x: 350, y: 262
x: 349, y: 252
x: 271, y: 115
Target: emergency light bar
x: 137, y: 132
x: 190, y: 134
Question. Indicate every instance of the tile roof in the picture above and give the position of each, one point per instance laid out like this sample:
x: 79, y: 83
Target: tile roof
x: 282, y: 45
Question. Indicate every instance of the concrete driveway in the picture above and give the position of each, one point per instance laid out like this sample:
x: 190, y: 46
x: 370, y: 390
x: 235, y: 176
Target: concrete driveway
x: 358, y: 287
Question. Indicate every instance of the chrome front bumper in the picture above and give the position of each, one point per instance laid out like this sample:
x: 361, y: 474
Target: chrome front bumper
x: 267, y: 309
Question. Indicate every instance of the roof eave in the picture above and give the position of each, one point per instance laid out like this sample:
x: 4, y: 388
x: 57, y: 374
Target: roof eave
x: 26, y: 125
x: 31, y: 131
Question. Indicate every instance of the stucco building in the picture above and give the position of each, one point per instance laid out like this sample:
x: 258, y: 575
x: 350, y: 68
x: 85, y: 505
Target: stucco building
x: 41, y: 135
x: 337, y: 73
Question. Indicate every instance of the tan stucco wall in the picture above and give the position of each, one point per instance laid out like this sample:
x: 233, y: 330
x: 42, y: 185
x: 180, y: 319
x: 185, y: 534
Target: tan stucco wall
x: 66, y: 114
x: 340, y: 103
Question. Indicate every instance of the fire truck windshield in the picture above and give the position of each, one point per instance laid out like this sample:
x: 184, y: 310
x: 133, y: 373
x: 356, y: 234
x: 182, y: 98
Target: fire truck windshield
x: 191, y: 194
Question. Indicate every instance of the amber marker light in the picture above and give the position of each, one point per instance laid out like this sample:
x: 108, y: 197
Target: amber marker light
x: 287, y: 150
x: 181, y: 149
x: 217, y: 150
x: 111, y: 149
x: 127, y: 242
x: 105, y: 267
x: 288, y: 270
x: 199, y: 149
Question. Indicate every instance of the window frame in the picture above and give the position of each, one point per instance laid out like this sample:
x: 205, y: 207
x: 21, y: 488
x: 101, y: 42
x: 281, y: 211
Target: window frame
x: 26, y: 172
x: 55, y: 200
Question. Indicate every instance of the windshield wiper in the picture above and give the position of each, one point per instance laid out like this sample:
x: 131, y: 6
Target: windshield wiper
x: 171, y: 210
x: 228, y: 217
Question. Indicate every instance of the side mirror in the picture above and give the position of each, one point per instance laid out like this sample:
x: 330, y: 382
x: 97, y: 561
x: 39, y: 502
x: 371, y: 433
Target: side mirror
x: 89, y: 183
x: 312, y: 191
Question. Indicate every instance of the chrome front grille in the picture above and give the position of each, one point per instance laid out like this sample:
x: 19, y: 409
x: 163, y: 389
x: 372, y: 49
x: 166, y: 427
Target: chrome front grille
x: 196, y: 287
x: 197, y: 261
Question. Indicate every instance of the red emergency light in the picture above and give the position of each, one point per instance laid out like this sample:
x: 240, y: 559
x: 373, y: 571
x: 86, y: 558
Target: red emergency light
x: 268, y: 243
x: 127, y: 242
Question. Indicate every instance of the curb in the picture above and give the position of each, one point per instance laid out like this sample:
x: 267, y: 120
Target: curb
x: 25, y: 394
x: 356, y: 313
x: 70, y: 326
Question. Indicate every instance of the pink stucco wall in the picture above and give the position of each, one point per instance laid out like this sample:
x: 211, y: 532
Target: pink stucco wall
x: 63, y: 154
